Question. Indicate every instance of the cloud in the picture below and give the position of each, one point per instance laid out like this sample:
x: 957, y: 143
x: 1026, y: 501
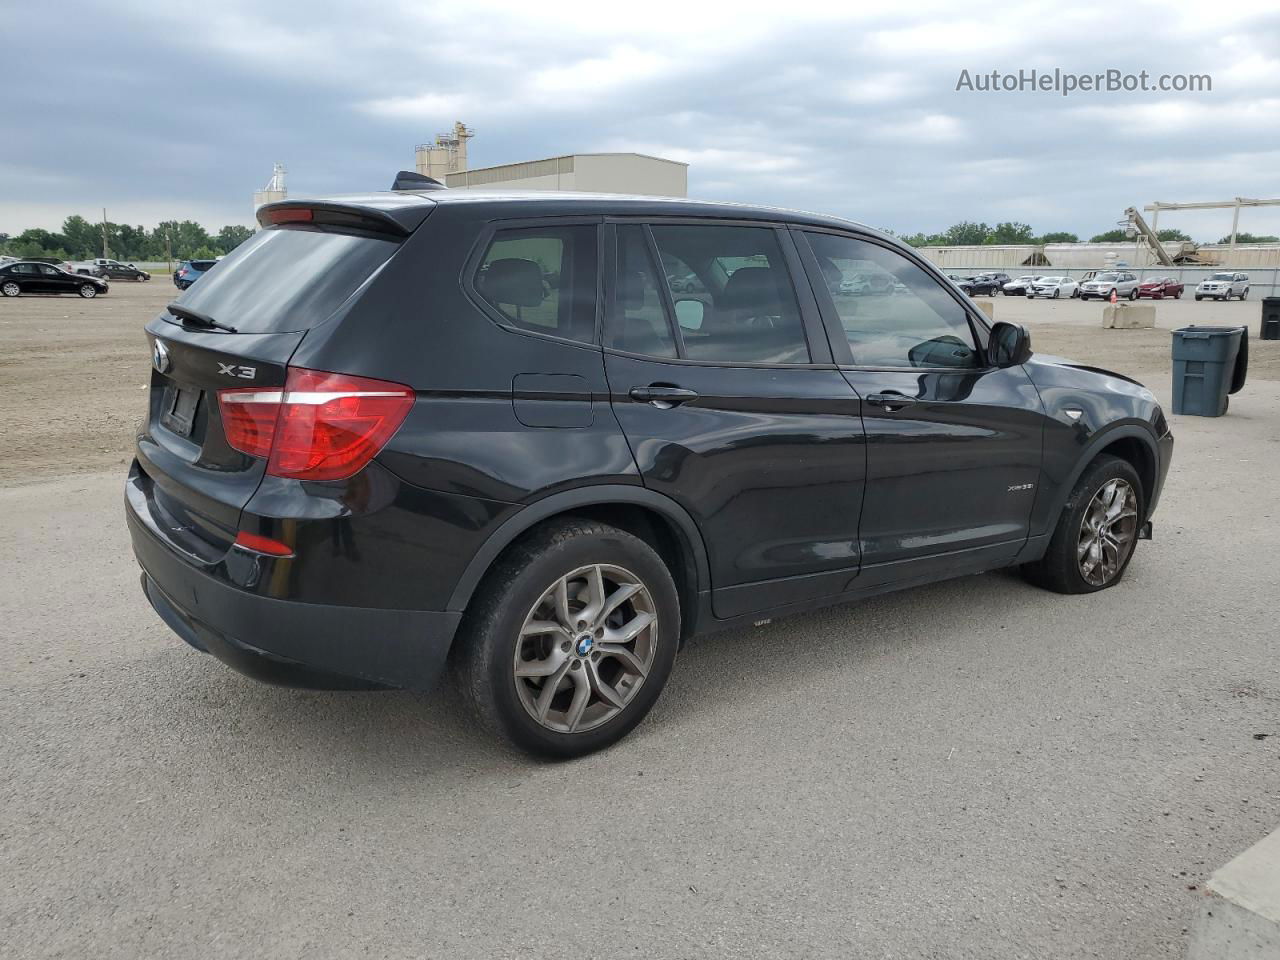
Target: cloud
x: 850, y: 109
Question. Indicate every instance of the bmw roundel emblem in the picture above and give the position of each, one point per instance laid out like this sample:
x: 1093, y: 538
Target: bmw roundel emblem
x: 160, y: 356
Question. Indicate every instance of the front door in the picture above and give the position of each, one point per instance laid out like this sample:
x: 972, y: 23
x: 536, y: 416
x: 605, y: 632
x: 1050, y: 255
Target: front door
x: 722, y: 380
x: 953, y: 444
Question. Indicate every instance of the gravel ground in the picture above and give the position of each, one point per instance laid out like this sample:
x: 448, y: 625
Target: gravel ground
x: 976, y: 769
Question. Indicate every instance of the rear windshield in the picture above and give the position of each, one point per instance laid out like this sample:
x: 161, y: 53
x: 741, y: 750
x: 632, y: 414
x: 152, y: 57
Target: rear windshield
x: 203, y: 264
x: 286, y: 279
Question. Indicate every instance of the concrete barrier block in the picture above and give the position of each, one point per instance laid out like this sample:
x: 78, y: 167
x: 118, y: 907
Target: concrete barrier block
x: 1128, y: 316
x: 988, y: 307
x: 1240, y: 916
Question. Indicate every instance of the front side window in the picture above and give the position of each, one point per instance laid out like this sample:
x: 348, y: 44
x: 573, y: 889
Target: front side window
x: 733, y: 294
x: 543, y: 279
x: 893, y: 313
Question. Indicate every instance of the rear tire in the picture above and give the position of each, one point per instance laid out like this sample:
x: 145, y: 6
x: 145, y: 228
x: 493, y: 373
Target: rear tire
x: 617, y: 683
x: 1133, y: 294
x: 10, y: 289
x: 1244, y: 295
x: 1062, y: 569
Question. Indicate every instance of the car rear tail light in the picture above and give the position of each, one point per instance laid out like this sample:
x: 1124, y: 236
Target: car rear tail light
x: 321, y: 426
x: 260, y: 544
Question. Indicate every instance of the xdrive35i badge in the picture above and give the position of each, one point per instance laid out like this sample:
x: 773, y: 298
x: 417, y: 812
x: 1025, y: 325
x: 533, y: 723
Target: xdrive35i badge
x: 160, y: 356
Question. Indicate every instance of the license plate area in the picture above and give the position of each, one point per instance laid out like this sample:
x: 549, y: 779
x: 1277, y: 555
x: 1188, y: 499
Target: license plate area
x: 178, y: 410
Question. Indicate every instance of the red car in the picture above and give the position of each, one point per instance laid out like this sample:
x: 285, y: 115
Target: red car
x: 1157, y: 288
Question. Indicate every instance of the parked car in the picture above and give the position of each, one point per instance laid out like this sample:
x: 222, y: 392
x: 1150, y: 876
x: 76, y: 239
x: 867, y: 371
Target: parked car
x: 1000, y: 278
x: 982, y: 284
x: 415, y: 451
x: 30, y: 276
x: 1053, y: 288
x: 863, y: 284
x: 189, y: 271
x: 1224, y: 286
x: 123, y: 271
x: 683, y: 283
x: 1123, y: 284
x: 1157, y: 288
x: 96, y: 267
x: 1018, y: 286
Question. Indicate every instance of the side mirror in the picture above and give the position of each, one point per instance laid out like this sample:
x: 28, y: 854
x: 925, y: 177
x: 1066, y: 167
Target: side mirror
x: 689, y: 314
x: 1010, y: 345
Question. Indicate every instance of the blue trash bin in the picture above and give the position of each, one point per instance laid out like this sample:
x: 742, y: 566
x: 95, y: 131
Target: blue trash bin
x: 1208, y: 364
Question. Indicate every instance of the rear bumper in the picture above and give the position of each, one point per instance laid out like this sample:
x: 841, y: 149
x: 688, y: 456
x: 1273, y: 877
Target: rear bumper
x: 285, y: 641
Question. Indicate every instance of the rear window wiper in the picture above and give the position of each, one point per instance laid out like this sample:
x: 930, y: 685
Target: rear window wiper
x: 199, y: 319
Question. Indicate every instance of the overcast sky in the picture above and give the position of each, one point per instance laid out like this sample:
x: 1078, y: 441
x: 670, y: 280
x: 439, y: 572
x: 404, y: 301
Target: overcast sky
x: 160, y: 111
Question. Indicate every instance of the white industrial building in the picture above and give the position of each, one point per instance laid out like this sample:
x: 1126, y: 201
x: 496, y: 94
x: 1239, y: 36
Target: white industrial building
x: 446, y: 160
x: 584, y: 172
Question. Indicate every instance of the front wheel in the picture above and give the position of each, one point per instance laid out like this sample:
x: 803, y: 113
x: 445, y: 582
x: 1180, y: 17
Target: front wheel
x: 1096, y: 533
x: 1055, y: 294
x: 88, y: 291
x: 570, y: 640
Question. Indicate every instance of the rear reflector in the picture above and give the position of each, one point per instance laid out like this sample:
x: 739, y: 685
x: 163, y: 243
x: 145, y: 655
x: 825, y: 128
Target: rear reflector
x: 261, y: 544
x: 322, y: 426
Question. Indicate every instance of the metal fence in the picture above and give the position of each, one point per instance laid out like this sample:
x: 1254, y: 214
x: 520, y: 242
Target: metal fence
x: 1263, y: 281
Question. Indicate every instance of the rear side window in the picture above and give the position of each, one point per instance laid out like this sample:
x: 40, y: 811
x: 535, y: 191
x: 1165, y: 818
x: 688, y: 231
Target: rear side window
x: 543, y: 279
x: 286, y: 279
x: 736, y: 302
x: 643, y: 326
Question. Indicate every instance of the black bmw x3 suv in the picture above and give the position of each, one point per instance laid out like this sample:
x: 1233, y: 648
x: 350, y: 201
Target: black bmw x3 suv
x: 395, y: 431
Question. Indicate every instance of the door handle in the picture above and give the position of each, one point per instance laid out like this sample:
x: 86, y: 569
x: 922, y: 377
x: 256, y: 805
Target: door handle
x: 890, y: 400
x: 662, y: 397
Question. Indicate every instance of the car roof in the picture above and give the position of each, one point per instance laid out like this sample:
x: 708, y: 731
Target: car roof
x: 410, y: 207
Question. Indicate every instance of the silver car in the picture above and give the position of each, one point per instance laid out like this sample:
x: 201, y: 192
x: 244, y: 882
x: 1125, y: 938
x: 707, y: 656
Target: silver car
x: 1125, y: 285
x: 1224, y: 286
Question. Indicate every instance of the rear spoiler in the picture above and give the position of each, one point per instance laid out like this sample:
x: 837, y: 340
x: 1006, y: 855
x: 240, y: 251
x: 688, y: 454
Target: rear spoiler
x: 397, y: 214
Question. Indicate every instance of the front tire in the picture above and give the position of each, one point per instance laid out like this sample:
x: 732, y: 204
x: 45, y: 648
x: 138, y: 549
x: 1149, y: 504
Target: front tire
x: 1097, y: 531
x: 570, y: 639
x: 88, y: 291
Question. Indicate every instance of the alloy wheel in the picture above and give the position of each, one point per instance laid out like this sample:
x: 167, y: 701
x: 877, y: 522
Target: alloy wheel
x: 1108, y: 532
x: 585, y: 648
x: 10, y: 289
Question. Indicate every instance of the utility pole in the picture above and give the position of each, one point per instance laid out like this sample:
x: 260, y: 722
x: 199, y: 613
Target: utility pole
x: 168, y: 251
x: 105, y: 252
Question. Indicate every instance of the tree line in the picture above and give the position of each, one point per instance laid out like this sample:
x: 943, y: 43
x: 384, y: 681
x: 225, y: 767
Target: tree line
x: 968, y: 234
x: 80, y: 239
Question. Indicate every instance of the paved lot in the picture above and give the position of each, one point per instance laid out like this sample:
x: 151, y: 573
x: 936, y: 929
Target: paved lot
x: 976, y: 769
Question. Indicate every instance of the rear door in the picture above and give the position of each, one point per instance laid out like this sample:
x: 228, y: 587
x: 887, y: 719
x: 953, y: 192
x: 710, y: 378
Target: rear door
x: 727, y: 394
x: 274, y: 288
x: 953, y: 444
